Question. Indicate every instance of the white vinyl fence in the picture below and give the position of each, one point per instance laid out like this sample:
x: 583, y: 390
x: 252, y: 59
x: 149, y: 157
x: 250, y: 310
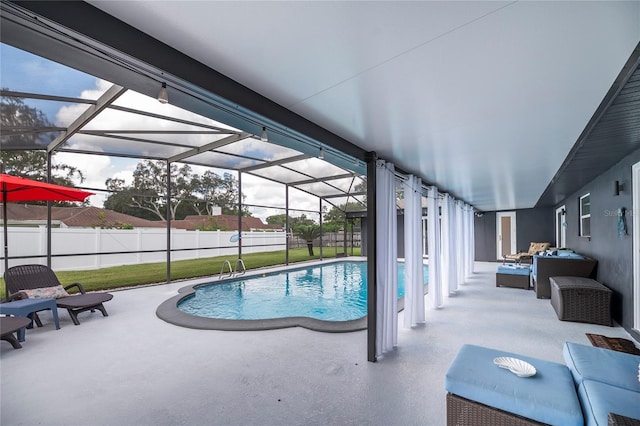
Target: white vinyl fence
x: 79, y: 245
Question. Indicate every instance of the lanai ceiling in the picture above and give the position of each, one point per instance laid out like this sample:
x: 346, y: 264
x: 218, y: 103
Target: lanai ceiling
x: 483, y: 99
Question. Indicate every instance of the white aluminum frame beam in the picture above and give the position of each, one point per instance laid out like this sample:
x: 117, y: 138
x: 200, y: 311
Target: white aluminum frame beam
x: 107, y: 98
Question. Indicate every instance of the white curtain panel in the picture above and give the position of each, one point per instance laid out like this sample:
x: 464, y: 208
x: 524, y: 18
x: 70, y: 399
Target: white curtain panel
x: 460, y: 243
x: 472, y: 246
x: 413, y: 268
x: 445, y: 243
x: 387, y: 259
x: 433, y: 242
x: 469, y: 254
x: 448, y: 237
x: 465, y: 237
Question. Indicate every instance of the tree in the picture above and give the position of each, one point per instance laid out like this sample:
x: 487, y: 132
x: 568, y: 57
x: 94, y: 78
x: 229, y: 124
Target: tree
x: 33, y: 165
x: 190, y: 193
x: 294, y: 222
x: 121, y: 197
x: 307, y: 233
x: 301, y: 220
x: 148, y: 193
x: 334, y: 219
x: 215, y: 190
x: 15, y: 116
x: 277, y: 219
x: 23, y: 154
x: 361, y: 188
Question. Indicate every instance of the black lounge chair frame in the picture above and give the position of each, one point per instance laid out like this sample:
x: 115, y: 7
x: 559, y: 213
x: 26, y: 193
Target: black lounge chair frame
x: 10, y: 325
x: 29, y: 277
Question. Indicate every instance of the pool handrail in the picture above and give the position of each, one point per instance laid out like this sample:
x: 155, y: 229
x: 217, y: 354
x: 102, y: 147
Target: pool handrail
x: 241, y: 263
x: 226, y: 262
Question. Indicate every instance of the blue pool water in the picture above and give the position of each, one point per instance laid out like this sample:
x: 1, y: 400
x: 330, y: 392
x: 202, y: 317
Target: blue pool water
x: 329, y: 292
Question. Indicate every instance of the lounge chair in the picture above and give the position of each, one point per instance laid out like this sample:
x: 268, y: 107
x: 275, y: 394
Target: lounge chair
x: 40, y: 281
x: 526, y: 256
x: 10, y: 325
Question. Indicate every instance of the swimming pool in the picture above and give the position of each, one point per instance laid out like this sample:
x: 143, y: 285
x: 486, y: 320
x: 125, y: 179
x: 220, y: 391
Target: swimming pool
x: 325, y: 295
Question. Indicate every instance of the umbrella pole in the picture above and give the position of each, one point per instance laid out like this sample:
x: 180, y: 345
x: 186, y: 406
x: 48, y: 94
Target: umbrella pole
x: 4, y: 221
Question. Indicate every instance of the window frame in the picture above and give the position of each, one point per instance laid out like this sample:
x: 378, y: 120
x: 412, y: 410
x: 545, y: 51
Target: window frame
x: 585, y: 217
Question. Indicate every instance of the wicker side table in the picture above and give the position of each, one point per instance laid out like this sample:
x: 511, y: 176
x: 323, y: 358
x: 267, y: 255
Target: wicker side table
x: 581, y: 299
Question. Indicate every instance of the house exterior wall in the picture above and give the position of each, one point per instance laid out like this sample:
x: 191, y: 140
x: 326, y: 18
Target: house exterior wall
x: 613, y: 252
x: 485, y: 237
x: 531, y: 225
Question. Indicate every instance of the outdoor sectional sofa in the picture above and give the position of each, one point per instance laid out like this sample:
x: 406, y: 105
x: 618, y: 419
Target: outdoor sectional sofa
x: 596, y: 387
x: 607, y: 381
x: 563, y: 263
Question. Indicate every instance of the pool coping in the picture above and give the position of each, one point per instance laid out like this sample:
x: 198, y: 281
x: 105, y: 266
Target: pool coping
x: 169, y: 312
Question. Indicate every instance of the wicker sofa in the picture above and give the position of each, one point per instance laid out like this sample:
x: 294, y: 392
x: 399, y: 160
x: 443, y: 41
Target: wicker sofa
x: 562, y: 264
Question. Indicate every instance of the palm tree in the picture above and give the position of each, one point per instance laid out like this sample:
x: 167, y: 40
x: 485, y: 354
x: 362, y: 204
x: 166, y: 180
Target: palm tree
x: 307, y: 233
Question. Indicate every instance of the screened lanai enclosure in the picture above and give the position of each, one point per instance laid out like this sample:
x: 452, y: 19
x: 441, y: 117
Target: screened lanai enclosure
x: 128, y: 117
x: 109, y: 132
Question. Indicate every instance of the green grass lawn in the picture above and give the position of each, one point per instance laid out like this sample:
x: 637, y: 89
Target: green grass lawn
x: 150, y: 273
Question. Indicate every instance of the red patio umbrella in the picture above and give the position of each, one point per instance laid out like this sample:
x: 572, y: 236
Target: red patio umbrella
x: 15, y: 189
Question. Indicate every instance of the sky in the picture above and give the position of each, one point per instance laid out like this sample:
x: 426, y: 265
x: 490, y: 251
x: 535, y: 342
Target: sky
x: 24, y: 72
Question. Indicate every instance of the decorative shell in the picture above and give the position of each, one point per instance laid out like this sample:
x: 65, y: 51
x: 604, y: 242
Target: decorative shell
x: 517, y: 366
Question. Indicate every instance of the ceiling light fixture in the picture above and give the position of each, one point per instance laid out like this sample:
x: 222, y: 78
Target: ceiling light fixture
x: 263, y: 136
x: 321, y: 153
x: 163, y: 97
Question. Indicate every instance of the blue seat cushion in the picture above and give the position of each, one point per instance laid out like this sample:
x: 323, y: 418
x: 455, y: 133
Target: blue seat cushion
x: 513, y: 270
x: 548, y: 397
x: 599, y: 399
x: 602, y: 365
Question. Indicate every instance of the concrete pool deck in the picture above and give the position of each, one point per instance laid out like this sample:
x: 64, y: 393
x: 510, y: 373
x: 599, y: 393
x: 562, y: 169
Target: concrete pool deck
x: 131, y: 368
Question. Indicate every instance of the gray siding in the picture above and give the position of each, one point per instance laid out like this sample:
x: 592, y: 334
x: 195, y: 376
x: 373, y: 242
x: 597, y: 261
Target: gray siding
x: 531, y: 225
x: 614, y: 254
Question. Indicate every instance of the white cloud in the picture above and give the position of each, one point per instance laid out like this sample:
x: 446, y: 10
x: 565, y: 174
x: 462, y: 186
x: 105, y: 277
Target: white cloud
x: 98, y: 168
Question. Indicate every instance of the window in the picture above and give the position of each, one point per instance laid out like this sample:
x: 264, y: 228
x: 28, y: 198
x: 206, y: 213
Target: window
x: 585, y: 215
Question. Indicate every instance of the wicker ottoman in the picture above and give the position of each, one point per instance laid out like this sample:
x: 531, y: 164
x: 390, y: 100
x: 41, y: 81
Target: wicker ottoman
x: 513, y: 276
x: 581, y: 299
x: 481, y: 393
x: 618, y: 420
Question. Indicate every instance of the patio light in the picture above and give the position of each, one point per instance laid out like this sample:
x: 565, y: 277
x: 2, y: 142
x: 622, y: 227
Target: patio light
x: 264, y: 137
x: 163, y: 97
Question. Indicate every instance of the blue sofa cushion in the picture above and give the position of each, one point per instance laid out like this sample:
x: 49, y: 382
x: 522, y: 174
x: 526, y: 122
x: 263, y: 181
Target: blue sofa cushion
x: 558, y: 253
x: 602, y: 365
x: 599, y: 399
x: 513, y: 270
x: 548, y: 397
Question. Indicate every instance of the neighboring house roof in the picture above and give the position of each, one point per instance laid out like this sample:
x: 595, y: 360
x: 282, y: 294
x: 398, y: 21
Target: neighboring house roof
x: 86, y: 217
x: 224, y: 221
x: 90, y: 217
